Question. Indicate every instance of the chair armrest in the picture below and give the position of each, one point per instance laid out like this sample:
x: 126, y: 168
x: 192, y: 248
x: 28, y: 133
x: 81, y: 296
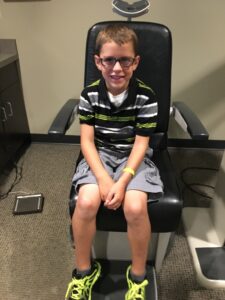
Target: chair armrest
x: 64, y: 118
x: 189, y: 121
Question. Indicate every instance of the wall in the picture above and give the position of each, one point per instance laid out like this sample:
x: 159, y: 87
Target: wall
x: 51, y: 34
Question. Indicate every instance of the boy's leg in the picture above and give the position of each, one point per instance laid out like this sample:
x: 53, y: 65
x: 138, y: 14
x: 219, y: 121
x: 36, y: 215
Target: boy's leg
x: 139, y: 231
x: 84, y: 224
x: 138, y: 228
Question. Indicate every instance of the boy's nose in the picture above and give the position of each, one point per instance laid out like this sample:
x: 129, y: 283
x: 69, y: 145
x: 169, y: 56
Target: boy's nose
x: 117, y: 66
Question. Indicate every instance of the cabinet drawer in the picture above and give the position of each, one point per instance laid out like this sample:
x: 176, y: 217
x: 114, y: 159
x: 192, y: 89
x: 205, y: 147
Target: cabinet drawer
x: 8, y: 75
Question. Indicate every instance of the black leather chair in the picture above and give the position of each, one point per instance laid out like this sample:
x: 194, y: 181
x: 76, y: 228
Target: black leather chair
x: 155, y: 48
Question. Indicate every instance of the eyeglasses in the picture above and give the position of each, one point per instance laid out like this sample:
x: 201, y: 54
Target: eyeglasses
x: 109, y: 62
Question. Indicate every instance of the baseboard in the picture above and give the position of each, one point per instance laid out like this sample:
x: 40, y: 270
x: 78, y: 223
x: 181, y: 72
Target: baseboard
x: 189, y: 143
x: 56, y: 138
x: 178, y: 143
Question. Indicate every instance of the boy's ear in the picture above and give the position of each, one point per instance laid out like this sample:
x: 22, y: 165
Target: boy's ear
x: 97, y: 62
x: 136, y: 62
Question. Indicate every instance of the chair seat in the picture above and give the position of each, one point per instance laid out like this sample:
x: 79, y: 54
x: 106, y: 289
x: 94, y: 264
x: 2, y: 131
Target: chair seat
x: 164, y: 213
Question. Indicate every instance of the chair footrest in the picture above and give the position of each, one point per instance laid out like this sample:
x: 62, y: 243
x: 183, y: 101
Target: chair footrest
x: 112, y: 285
x: 211, y: 261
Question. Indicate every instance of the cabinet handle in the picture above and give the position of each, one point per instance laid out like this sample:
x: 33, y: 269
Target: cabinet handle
x: 4, y: 119
x: 10, y: 114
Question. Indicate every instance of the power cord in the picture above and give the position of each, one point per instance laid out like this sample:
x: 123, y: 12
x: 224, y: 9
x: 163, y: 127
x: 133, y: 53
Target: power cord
x: 18, y: 177
x: 190, y: 186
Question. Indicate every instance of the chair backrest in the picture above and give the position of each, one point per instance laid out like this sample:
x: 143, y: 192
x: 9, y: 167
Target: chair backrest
x: 155, y: 49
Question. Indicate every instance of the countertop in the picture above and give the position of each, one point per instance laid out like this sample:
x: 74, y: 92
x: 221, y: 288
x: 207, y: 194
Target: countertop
x: 8, y: 51
x: 7, y: 58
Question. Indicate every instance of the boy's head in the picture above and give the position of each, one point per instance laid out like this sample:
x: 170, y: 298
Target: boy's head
x: 116, y: 56
x: 118, y: 33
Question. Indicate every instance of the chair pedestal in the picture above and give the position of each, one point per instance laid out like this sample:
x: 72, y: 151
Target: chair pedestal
x: 114, y: 246
x: 112, y: 285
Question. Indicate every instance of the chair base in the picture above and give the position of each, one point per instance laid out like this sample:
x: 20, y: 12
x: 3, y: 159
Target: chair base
x: 205, y: 230
x: 112, y: 285
x: 205, y: 247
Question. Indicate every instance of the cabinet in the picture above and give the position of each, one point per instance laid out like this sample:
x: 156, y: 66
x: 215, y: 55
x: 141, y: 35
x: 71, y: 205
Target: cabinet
x: 14, y: 129
x: 2, y: 152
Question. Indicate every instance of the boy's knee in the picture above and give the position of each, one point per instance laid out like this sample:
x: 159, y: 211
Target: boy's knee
x: 82, y: 213
x: 135, y: 206
x: 135, y: 211
x: 85, y: 203
x: 87, y: 206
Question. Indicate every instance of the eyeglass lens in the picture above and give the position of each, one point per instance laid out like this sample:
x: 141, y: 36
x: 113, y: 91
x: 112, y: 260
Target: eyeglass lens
x: 111, y: 61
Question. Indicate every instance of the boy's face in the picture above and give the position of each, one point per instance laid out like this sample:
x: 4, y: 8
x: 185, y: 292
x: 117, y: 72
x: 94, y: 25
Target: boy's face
x: 117, y: 74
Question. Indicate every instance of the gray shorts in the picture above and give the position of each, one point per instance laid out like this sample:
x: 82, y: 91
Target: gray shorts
x: 146, y: 179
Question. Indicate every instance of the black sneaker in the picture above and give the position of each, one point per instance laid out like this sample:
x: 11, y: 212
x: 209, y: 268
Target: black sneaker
x: 81, y: 288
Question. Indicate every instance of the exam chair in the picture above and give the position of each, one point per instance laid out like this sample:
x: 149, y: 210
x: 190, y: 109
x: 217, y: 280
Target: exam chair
x: 155, y: 49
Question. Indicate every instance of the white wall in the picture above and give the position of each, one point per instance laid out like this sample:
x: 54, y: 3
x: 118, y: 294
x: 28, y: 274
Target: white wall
x: 51, y: 34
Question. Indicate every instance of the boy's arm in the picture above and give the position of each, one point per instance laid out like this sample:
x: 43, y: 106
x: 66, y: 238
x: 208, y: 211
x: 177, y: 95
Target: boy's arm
x: 92, y: 157
x: 117, y: 193
x: 136, y: 156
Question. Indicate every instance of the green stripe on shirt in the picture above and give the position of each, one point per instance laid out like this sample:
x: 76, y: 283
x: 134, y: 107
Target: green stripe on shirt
x: 115, y: 118
x: 86, y: 118
x: 146, y: 125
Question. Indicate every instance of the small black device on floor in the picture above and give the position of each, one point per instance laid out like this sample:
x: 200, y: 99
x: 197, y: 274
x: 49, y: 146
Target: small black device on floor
x: 28, y: 204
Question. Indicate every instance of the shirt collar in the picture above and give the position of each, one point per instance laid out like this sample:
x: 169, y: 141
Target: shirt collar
x: 132, y: 91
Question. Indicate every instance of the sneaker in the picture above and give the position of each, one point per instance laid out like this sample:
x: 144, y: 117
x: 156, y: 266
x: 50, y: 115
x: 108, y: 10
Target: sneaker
x: 81, y: 288
x: 136, y: 291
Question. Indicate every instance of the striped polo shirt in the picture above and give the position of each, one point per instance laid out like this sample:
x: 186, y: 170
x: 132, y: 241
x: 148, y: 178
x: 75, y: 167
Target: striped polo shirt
x: 116, y: 127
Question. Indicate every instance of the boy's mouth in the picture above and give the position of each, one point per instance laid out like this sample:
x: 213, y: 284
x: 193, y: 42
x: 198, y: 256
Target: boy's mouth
x: 116, y: 77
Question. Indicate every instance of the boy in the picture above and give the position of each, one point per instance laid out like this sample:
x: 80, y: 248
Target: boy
x: 118, y: 113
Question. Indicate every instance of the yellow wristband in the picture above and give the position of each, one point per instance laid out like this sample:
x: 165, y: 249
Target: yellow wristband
x: 129, y: 170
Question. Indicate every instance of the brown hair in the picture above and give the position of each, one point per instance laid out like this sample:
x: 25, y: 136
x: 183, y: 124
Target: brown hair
x: 118, y: 33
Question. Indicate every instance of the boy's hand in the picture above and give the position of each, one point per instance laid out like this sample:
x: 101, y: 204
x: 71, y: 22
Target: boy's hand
x: 115, y: 196
x: 105, y: 184
x: 117, y: 192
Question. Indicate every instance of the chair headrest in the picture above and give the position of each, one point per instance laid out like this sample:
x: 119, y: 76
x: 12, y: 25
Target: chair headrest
x: 130, y: 10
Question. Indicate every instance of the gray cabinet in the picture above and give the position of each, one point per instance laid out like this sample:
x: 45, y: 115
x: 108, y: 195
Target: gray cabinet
x: 14, y: 129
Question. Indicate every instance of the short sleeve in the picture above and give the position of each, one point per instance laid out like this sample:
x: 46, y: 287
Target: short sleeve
x: 147, y: 114
x: 85, y: 110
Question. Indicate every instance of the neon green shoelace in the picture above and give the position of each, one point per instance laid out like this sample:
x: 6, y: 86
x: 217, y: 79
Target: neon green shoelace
x: 136, y: 291
x: 78, y: 289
